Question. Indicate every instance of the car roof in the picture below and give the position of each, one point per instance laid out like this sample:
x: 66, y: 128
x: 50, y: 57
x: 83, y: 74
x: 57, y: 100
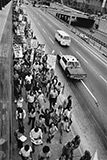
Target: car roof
x: 71, y: 58
x: 63, y: 33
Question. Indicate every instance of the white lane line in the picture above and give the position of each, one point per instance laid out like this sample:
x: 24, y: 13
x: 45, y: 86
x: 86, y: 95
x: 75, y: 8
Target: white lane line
x: 81, y: 56
x: 43, y: 30
x: 60, y: 52
x: 89, y: 92
x: 49, y: 25
x: 51, y: 40
x: 44, y: 20
x: 38, y: 23
x: 103, y: 79
x: 84, y: 46
x: 92, y: 52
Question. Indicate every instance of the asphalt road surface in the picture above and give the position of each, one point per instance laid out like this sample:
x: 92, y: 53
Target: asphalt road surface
x: 91, y: 93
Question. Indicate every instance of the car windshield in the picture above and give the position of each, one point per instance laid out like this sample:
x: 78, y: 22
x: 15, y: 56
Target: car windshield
x: 74, y: 64
x: 66, y: 37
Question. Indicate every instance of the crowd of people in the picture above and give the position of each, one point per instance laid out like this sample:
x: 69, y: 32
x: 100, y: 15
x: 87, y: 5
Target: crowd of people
x: 35, y: 83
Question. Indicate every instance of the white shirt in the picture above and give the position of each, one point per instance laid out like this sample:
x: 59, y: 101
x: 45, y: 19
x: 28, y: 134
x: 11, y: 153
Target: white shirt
x: 30, y: 98
x: 53, y: 93
x: 25, y: 153
x: 24, y: 114
x: 68, y: 113
x: 28, y: 78
x: 36, y: 135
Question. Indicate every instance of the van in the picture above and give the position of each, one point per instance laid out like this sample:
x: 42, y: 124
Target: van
x: 63, y: 38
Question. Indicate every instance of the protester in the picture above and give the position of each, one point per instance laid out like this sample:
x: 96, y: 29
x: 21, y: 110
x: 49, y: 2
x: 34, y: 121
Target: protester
x: 41, y: 123
x: 47, y: 116
x: 86, y: 156
x: 20, y: 116
x: 25, y: 152
x: 68, y: 102
x: 32, y: 115
x: 51, y: 133
x: 53, y: 97
x: 36, y: 136
x: 76, y: 142
x: 68, y: 117
x: 45, y: 153
x: 67, y: 152
x: 30, y: 100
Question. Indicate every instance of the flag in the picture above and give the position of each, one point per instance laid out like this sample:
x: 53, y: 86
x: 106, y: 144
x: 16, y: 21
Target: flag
x: 95, y: 156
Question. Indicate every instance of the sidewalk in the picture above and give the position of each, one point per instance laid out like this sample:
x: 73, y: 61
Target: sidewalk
x: 55, y: 146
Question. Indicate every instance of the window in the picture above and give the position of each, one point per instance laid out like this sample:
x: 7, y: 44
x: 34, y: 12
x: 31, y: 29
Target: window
x: 65, y: 61
x: 66, y: 37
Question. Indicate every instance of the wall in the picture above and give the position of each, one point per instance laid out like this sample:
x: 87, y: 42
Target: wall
x: 5, y: 85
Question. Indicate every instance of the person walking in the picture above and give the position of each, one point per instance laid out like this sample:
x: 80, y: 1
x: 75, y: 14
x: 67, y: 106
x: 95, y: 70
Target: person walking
x: 53, y: 97
x: 26, y: 152
x: 30, y: 100
x: 51, y: 133
x: 76, y: 142
x: 67, y: 152
x: 68, y: 116
x: 45, y: 153
x: 36, y: 136
x: 68, y: 102
x: 86, y: 156
x: 20, y: 116
x: 31, y: 117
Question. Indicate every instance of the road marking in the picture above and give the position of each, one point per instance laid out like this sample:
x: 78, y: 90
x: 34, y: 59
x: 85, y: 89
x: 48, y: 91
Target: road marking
x: 103, y: 79
x: 43, y: 30
x: 81, y: 56
x: 89, y: 50
x: 49, y: 25
x: 51, y: 40
x: 84, y: 46
x: 89, y: 91
x: 60, y: 52
x: 38, y: 23
x: 44, y: 20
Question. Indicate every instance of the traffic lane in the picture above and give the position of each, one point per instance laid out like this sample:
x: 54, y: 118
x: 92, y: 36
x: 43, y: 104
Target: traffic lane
x: 48, y: 31
x: 47, y: 17
x: 103, y: 69
x: 87, y: 71
x: 84, y: 122
x: 85, y: 51
x: 56, y: 67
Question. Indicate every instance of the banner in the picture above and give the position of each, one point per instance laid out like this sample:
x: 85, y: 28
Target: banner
x: 51, y: 61
x: 17, y: 49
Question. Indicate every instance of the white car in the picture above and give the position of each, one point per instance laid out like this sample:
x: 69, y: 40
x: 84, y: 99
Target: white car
x: 71, y: 66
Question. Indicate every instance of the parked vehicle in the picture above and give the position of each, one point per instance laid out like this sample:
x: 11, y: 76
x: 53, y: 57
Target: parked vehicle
x: 71, y: 66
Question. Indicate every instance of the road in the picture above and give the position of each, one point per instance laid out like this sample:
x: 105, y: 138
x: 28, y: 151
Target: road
x: 91, y: 93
